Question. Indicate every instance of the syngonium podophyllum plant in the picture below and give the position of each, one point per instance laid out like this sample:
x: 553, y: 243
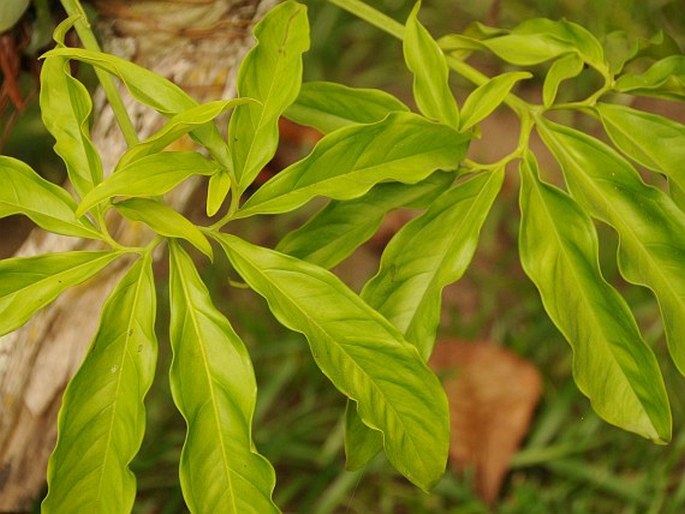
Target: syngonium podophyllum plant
x: 376, y: 155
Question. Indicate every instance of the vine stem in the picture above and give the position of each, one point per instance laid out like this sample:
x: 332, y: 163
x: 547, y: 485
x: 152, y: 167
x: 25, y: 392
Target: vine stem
x: 85, y: 33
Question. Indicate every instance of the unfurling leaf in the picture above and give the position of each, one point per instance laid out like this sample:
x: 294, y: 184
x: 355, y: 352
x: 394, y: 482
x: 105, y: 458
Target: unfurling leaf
x: 151, y: 175
x: 272, y: 74
x: 360, y: 352
x: 328, y: 106
x: 431, y: 73
x: 30, y: 283
x: 46, y: 204
x: 102, y: 419
x: 612, y: 364
x: 650, y: 225
x: 165, y: 221
x: 345, y: 164
x: 214, y: 388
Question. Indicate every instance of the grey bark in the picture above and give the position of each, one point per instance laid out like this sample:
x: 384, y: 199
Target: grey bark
x: 197, y: 44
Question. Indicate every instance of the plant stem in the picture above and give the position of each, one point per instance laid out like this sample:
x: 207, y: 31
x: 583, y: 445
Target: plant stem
x: 396, y: 29
x: 372, y: 16
x: 83, y: 29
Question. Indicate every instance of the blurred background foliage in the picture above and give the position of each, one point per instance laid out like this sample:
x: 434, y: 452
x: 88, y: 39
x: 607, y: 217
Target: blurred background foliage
x: 570, y: 462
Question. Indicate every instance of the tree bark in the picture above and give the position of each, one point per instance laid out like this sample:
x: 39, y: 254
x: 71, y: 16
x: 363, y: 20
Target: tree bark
x: 196, y: 43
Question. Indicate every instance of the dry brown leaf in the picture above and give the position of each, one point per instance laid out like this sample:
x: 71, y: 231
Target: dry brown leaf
x: 492, y: 395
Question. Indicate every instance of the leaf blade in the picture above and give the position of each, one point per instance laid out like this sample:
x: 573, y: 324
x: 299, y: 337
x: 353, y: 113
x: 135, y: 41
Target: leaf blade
x: 613, y: 365
x: 282, y: 37
x: 214, y: 388
x: 102, y: 419
x: 488, y: 96
x: 345, y: 164
x: 165, y: 221
x: 31, y: 283
x: 328, y: 106
x: 425, y: 60
x: 338, y: 229
x: 650, y: 225
x: 412, y: 411
x: 151, y: 175
x: 25, y: 192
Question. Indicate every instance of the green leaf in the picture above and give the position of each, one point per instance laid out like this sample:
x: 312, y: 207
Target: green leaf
x: 152, y: 90
x: 271, y: 73
x: 664, y: 79
x: 620, y: 48
x: 338, y: 229
x: 655, y: 142
x: 23, y: 191
x: 214, y: 388
x: 526, y: 49
x: 360, y: 352
x: 431, y: 74
x: 102, y: 418
x: 30, y: 283
x: 345, y: 164
x: 575, y: 36
x: 151, y: 175
x: 650, y: 225
x: 566, y: 67
x: 488, y: 96
x: 177, y: 126
x: 217, y: 191
x: 65, y: 107
x: 165, y: 221
x: 612, y: 364
x: 427, y: 254
x: 328, y: 106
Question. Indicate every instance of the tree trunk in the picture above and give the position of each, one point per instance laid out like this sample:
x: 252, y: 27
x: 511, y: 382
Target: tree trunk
x: 197, y: 44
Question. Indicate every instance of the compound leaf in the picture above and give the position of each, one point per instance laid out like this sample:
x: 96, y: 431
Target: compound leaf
x: 328, y: 106
x: 272, y: 74
x: 431, y: 74
x: 164, y: 220
x: 332, y: 234
x: 151, y: 175
x: 488, y: 96
x: 25, y: 192
x: 360, y: 352
x: 65, y: 107
x: 650, y: 225
x: 345, y: 164
x: 214, y: 388
x: 30, y: 283
x: 612, y: 364
x: 102, y: 419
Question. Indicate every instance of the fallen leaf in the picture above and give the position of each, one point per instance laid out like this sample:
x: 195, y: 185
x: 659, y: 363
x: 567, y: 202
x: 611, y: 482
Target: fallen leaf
x: 492, y: 394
